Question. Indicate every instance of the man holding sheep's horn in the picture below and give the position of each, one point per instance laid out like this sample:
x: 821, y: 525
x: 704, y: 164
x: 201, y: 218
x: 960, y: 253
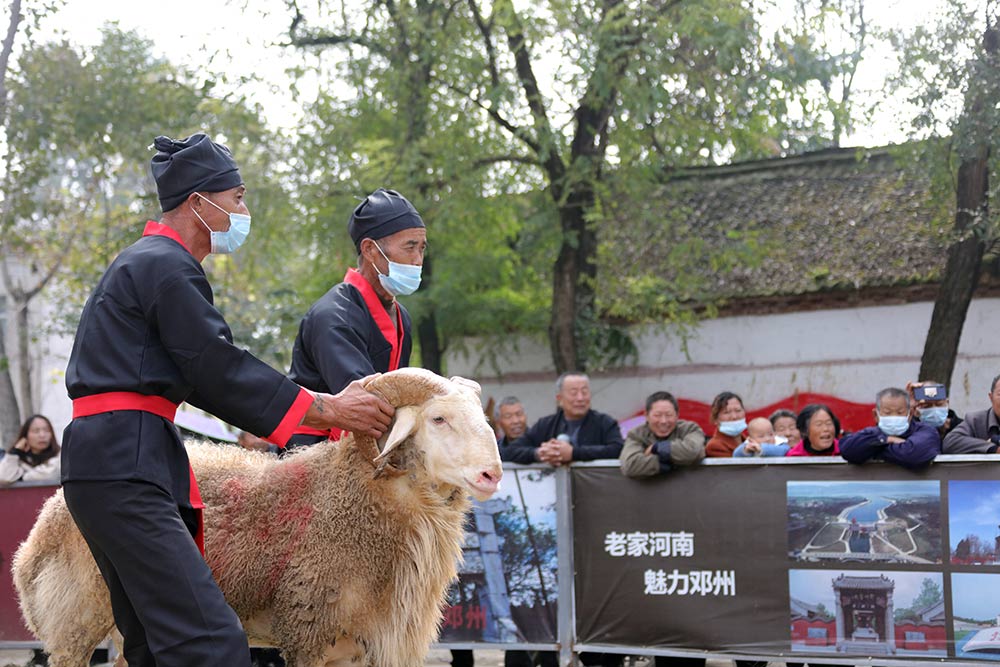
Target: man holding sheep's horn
x: 358, y: 327
x: 149, y: 338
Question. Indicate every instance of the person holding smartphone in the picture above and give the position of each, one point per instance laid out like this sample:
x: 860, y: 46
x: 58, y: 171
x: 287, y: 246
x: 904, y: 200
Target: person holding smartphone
x: 929, y: 401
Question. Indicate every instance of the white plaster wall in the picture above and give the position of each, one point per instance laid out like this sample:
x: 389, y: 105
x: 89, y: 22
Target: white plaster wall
x: 848, y: 353
x: 49, y: 354
x: 50, y: 381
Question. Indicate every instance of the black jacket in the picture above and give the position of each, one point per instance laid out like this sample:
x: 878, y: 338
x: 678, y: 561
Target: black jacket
x: 150, y: 327
x: 599, y: 437
x: 340, y: 341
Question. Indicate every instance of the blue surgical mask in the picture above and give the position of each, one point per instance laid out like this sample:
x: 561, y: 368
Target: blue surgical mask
x: 893, y: 425
x: 934, y: 416
x: 403, y: 279
x: 230, y: 240
x: 733, y: 428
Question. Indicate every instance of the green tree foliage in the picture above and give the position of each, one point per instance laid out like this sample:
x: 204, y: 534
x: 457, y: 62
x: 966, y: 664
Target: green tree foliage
x: 583, y: 101
x: 930, y: 594
x: 818, y: 52
x: 125, y: 96
x: 952, y: 73
x: 77, y: 187
x: 393, y: 127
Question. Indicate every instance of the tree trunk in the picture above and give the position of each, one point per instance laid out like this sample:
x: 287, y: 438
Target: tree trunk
x: 431, y: 350
x: 10, y: 414
x: 961, y: 273
x: 430, y: 343
x: 575, y: 270
x: 965, y: 255
x: 24, y: 359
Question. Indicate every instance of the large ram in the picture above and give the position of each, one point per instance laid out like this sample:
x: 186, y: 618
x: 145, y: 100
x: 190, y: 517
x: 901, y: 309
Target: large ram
x: 339, y: 553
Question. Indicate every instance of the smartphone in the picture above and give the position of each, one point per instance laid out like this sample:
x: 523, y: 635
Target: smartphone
x: 930, y: 392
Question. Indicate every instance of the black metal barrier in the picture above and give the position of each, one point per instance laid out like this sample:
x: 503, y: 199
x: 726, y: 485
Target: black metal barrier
x: 783, y: 560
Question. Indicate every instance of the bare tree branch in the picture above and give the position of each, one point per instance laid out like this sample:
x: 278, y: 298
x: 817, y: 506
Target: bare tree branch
x: 518, y: 44
x: 515, y: 130
x: 336, y: 40
x: 297, y: 19
x: 393, y: 10
x: 486, y: 30
x: 547, y: 151
x: 598, y: 101
x: 450, y: 11
x: 8, y: 46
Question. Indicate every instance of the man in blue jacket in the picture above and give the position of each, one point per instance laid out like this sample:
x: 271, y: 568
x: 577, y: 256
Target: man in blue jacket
x: 895, y: 438
x: 574, y: 433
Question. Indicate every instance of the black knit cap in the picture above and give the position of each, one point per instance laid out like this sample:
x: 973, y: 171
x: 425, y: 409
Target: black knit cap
x: 195, y: 164
x: 382, y: 213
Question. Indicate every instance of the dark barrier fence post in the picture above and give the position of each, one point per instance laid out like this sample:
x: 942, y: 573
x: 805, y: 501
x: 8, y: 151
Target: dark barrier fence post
x: 566, y: 628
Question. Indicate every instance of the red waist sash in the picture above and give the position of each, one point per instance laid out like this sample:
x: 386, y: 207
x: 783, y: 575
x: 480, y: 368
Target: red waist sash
x: 331, y: 434
x: 123, y: 400
x: 111, y: 401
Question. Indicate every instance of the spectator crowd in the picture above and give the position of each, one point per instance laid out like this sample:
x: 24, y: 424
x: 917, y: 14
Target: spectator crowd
x: 911, y: 425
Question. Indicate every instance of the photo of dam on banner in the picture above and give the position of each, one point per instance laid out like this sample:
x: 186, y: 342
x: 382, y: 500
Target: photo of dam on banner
x: 859, y: 612
x: 882, y: 522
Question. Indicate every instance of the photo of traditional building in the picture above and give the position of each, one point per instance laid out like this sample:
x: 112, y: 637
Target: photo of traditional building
x: 867, y: 613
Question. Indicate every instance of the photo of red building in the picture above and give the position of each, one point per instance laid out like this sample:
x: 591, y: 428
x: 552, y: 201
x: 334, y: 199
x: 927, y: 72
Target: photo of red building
x: 853, y: 612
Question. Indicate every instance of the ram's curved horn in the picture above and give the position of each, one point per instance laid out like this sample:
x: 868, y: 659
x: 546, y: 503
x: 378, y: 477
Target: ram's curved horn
x: 402, y: 388
x: 408, y: 386
x: 470, y: 384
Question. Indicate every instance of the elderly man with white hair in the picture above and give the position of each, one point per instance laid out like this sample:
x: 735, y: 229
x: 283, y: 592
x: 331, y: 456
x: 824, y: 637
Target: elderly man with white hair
x: 574, y: 433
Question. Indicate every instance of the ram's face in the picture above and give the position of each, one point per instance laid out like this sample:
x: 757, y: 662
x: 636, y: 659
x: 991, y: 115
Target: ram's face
x: 458, y: 445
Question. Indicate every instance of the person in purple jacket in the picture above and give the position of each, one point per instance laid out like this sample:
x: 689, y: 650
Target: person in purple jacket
x: 896, y: 438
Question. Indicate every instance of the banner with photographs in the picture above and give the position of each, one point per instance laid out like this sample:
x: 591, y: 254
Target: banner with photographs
x: 20, y: 504
x: 792, y: 561
x: 507, y: 588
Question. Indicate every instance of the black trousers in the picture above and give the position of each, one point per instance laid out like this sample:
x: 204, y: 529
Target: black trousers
x: 462, y: 658
x: 526, y: 659
x: 166, y: 604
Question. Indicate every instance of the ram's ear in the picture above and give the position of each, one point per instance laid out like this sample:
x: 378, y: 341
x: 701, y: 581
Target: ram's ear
x: 404, y: 425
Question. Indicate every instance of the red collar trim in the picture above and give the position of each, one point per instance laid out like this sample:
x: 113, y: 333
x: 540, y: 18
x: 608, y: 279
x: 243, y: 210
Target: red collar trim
x: 154, y: 228
x: 393, y: 335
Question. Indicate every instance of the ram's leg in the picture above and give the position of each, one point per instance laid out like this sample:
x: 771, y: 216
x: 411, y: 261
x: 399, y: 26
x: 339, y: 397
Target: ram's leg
x: 119, y: 642
x: 76, y: 653
x: 72, y: 641
x: 344, y: 653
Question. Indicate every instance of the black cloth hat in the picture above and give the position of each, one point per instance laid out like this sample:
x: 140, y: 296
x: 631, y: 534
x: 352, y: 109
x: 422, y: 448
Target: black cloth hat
x: 195, y: 164
x: 382, y: 213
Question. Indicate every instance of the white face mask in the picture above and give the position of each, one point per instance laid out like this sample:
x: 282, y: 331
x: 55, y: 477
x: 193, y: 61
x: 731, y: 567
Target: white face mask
x: 733, y: 428
x: 403, y: 279
x: 230, y: 240
x: 893, y: 425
